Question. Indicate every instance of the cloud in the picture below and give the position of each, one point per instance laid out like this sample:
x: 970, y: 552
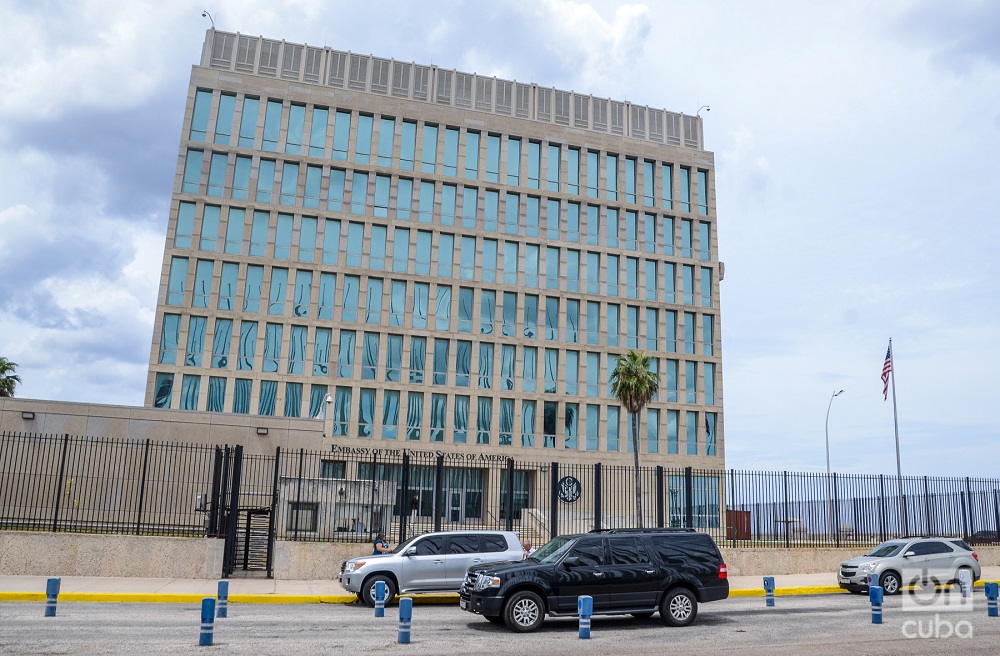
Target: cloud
x: 960, y: 35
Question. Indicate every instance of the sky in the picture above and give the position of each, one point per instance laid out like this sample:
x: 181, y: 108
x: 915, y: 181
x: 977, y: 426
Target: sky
x: 857, y: 187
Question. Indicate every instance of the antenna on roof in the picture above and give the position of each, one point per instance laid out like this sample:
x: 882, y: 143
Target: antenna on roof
x: 205, y: 14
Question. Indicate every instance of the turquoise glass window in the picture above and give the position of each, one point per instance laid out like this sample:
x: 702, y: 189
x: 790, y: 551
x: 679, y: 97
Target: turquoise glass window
x: 192, y: 172
x: 317, y: 132
x: 224, y: 120
x: 241, y: 178
x: 248, y: 122
x: 296, y: 126
x: 199, y: 116
x: 272, y: 125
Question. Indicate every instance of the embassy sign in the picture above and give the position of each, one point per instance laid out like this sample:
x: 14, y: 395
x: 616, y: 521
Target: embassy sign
x: 569, y: 489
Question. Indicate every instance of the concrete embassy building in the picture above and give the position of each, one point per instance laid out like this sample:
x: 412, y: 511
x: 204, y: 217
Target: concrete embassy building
x: 389, y: 255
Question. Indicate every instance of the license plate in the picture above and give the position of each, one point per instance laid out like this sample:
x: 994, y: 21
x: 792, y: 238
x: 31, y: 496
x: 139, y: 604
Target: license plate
x: 463, y: 604
x: 845, y: 580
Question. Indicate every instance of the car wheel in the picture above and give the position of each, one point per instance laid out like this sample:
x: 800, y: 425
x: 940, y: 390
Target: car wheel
x: 679, y: 607
x: 368, y: 590
x: 890, y: 583
x: 524, y: 611
x: 643, y: 615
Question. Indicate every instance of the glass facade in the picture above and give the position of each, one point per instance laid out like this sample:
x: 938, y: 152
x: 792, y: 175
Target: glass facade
x: 410, y: 261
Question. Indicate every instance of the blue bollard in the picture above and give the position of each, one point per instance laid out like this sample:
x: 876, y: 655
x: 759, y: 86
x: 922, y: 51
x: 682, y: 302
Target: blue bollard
x: 875, y: 596
x: 585, y: 608
x: 992, y: 592
x: 405, y: 619
x: 380, y: 599
x: 769, y: 590
x: 51, y: 596
x: 223, y: 605
x: 207, y: 622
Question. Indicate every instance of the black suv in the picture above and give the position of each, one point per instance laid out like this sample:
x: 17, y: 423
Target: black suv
x: 637, y: 572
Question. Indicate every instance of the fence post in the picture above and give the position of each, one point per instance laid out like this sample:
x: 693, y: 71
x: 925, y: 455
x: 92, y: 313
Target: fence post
x: 554, y: 501
x: 597, y: 496
x: 927, y: 507
x: 298, y: 496
x: 659, y: 496
x: 59, y: 483
x: 881, y: 507
x: 836, y: 511
x: 688, y: 498
x: 142, y: 487
x: 439, y: 493
x: 274, y: 511
x: 965, y: 514
x: 996, y: 509
x: 233, y: 516
x: 785, y: 484
x: 215, y: 507
x: 509, y: 501
x: 404, y: 498
x: 972, y: 515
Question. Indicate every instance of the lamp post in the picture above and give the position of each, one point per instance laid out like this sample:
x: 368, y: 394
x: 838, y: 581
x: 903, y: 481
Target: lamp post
x: 829, y: 488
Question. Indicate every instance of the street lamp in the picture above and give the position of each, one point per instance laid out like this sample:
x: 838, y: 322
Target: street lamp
x: 829, y: 489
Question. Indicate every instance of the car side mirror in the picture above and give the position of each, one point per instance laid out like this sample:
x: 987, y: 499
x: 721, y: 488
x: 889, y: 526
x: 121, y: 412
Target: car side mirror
x: 412, y: 551
x: 908, y: 554
x: 572, y: 561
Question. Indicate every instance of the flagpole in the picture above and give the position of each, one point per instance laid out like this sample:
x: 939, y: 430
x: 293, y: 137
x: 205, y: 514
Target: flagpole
x: 895, y: 423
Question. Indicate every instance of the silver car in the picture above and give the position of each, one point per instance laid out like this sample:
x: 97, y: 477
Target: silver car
x: 911, y: 561
x: 432, y: 562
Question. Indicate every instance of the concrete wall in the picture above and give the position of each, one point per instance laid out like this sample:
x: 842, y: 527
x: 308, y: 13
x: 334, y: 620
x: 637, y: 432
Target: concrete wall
x: 75, y: 554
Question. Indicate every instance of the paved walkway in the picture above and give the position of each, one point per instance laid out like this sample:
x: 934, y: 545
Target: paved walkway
x: 270, y: 591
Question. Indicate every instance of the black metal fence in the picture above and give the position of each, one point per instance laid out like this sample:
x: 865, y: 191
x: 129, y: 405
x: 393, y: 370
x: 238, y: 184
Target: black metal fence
x: 101, y: 485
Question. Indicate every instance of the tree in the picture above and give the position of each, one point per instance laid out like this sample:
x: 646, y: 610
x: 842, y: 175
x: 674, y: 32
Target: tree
x: 8, y: 379
x: 634, y: 385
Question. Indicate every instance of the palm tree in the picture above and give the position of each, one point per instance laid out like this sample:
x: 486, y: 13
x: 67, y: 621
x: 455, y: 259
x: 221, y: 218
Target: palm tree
x: 8, y: 379
x: 634, y: 385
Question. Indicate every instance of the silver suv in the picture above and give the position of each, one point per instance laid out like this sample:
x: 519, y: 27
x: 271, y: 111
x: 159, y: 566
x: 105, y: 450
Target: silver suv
x: 432, y: 562
x: 911, y: 561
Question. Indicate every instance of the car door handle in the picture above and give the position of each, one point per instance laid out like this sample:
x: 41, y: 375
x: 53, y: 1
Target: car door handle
x: 651, y: 571
x: 598, y: 573
x: 438, y: 562
x: 477, y: 560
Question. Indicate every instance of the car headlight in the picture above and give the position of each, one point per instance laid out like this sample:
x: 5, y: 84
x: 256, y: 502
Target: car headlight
x: 355, y: 566
x: 484, y: 581
x: 866, y: 567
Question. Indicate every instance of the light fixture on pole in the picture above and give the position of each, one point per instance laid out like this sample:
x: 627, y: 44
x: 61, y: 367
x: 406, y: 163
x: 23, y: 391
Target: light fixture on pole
x: 829, y: 492
x: 705, y: 107
x: 205, y: 14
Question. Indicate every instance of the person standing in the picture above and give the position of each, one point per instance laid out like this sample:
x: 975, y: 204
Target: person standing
x: 380, y: 546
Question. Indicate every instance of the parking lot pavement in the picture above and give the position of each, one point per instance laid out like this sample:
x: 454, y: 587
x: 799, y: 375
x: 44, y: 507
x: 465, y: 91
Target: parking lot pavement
x: 818, y: 625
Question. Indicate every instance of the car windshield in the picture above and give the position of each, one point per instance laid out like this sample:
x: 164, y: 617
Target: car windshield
x: 403, y: 546
x: 885, y: 550
x: 551, y: 551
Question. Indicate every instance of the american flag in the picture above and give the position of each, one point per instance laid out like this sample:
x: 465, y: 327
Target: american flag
x: 886, y: 370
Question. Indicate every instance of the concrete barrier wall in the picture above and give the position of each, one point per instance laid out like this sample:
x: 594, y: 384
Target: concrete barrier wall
x: 74, y: 554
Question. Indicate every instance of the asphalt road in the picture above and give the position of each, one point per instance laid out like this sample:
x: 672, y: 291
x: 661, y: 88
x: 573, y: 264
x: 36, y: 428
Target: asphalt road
x: 814, y: 625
